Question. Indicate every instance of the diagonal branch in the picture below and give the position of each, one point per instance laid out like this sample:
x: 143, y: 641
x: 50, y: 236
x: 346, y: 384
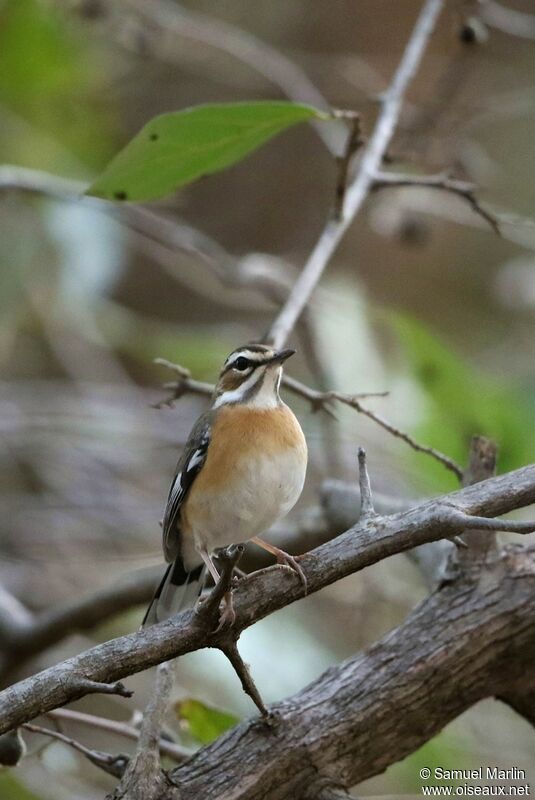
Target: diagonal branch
x: 445, y: 183
x: 167, y: 748
x: 244, y: 46
x: 185, y: 384
x: 264, y: 592
x: 462, y: 644
x: 358, y: 190
x: 113, y: 765
x: 507, y: 20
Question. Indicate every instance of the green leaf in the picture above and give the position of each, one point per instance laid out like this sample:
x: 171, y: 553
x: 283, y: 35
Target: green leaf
x: 204, y: 723
x: 11, y: 789
x: 51, y: 79
x: 176, y: 148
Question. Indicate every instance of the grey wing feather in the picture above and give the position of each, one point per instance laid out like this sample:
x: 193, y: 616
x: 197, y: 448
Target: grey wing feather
x: 188, y: 467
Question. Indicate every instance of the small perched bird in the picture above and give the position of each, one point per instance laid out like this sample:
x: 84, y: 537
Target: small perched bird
x: 242, y: 469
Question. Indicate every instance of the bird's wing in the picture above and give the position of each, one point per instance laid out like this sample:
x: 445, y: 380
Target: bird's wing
x: 188, y: 467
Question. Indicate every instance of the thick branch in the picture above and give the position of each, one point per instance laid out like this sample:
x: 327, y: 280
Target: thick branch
x: 266, y: 591
x: 461, y: 645
x: 359, y: 188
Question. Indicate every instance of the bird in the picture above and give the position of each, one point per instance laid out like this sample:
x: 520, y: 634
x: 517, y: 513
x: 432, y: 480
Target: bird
x: 243, y: 468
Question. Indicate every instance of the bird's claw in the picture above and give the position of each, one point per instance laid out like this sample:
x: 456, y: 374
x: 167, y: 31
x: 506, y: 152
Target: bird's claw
x: 292, y: 563
x: 227, y: 616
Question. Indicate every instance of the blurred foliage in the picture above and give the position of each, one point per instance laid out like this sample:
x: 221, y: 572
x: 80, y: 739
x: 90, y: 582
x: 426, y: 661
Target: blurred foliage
x: 51, y: 86
x: 11, y: 789
x: 145, y: 339
x: 203, y: 722
x: 462, y: 402
x: 175, y: 149
x: 444, y: 751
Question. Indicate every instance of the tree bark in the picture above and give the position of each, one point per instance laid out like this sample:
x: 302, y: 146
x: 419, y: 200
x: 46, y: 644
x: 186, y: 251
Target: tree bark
x: 468, y: 641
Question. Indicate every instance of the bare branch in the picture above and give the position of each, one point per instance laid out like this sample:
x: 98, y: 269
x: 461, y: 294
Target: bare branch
x: 462, y: 644
x: 359, y: 188
x: 507, y: 20
x: 88, y: 686
x: 353, y: 402
x: 113, y: 765
x: 261, y: 57
x: 366, y: 501
x: 264, y: 592
x: 167, y: 748
x: 230, y: 649
x: 479, y: 545
x: 318, y: 400
x: 445, y: 183
x: 354, y: 141
x: 142, y: 777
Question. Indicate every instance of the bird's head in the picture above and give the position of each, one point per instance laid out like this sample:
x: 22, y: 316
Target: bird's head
x: 251, y: 376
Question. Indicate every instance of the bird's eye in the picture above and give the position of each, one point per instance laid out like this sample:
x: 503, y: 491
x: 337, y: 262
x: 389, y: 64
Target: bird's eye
x: 240, y: 364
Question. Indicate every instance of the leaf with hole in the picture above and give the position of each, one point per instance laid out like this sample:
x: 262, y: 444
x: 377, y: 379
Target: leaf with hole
x: 177, y: 148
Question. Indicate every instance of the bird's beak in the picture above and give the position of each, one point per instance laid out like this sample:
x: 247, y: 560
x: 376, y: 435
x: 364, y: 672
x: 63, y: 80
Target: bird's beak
x: 281, y: 356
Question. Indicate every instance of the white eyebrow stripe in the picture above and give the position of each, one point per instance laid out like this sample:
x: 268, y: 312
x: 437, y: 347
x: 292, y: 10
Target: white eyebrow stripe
x: 248, y: 354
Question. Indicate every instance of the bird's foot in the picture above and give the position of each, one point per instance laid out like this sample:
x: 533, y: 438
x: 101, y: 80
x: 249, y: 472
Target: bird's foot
x: 286, y: 560
x: 227, y: 616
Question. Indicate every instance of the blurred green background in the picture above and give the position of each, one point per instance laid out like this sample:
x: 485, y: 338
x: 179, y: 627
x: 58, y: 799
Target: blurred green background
x: 422, y: 300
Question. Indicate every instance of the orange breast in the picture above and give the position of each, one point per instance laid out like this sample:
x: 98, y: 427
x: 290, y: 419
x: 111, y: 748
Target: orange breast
x: 240, y: 432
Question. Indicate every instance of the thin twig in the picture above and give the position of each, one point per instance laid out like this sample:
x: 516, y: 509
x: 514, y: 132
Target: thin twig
x: 446, y: 461
x: 354, y: 141
x: 170, y: 749
x: 113, y: 765
x: 230, y: 649
x: 88, y: 686
x: 445, y: 183
x: 247, y: 48
x: 459, y: 519
x: 318, y: 400
x: 359, y: 189
x: 366, y: 499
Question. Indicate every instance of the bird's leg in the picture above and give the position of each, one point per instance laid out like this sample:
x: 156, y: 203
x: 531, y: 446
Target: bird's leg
x: 282, y: 558
x: 227, y: 616
x: 212, y: 569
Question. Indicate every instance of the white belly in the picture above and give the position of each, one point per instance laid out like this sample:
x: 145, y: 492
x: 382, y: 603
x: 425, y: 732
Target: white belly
x: 260, y: 492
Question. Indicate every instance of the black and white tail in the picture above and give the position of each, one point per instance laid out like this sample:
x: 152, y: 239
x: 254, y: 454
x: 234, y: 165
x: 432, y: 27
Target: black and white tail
x: 178, y: 589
